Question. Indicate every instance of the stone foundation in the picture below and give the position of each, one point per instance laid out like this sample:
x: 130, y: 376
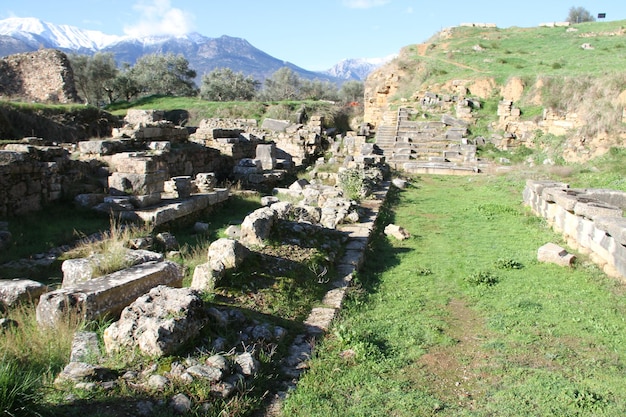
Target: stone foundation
x: 590, y: 219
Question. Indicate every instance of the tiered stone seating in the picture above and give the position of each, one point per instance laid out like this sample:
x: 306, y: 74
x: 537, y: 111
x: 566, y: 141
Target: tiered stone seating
x: 425, y: 147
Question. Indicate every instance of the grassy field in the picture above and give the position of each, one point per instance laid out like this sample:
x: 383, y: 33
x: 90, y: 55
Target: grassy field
x: 461, y: 320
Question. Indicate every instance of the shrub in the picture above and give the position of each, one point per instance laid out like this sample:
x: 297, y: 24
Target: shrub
x: 485, y: 278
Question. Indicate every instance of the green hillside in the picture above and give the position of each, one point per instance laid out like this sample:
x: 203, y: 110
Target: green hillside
x: 470, y: 52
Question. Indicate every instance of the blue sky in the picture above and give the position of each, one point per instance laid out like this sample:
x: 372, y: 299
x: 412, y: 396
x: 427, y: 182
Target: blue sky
x: 311, y: 34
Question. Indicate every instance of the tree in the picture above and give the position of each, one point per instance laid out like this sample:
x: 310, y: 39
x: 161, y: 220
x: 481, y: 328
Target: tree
x: 124, y: 85
x: 352, y: 91
x: 318, y: 90
x: 94, y: 76
x: 283, y: 84
x: 579, y: 15
x: 167, y: 74
x: 222, y: 84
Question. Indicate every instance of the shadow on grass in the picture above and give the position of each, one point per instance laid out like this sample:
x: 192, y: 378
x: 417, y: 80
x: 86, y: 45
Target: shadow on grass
x: 381, y: 255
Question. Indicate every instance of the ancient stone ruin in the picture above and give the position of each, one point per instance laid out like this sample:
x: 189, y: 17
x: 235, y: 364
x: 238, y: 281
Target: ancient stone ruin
x: 42, y: 76
x: 591, y: 220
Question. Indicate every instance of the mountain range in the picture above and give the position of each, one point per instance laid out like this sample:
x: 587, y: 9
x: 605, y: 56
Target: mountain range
x: 203, y: 53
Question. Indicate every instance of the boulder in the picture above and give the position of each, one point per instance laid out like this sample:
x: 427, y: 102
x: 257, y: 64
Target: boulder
x: 226, y: 254
x: 397, y: 232
x: 158, y: 323
x: 205, y: 278
x: 553, y: 253
x: 15, y: 291
x: 256, y: 226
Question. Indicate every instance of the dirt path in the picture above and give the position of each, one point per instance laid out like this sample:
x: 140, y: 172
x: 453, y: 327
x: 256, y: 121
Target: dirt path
x: 456, y: 373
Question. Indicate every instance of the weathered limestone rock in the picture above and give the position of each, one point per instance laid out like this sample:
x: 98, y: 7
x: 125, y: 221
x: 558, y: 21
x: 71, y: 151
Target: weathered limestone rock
x: 108, y: 295
x: 256, y: 226
x: 205, y: 278
x: 205, y: 181
x: 121, y: 183
x: 553, y: 253
x: 397, y: 232
x: 266, y: 153
x: 42, y: 76
x: 275, y: 125
x: 15, y: 291
x: 226, y: 254
x: 82, y: 269
x: 590, y: 219
x: 84, y: 347
x: 247, y: 364
x: 158, y: 323
x: 182, y: 185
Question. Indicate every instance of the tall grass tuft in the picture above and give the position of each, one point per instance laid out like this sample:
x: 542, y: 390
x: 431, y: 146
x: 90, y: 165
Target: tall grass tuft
x: 32, y: 355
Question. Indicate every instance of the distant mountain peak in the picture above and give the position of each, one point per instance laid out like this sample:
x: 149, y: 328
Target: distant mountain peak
x: 356, y: 68
x: 37, y: 32
x: 25, y: 34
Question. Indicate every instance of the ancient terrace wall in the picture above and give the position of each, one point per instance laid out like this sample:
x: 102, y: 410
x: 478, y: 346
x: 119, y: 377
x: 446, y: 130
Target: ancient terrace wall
x: 42, y: 76
x: 32, y: 176
x: 590, y: 219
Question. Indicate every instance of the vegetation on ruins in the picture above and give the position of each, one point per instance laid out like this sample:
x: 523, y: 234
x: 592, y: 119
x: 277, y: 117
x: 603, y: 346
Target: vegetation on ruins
x: 458, y: 320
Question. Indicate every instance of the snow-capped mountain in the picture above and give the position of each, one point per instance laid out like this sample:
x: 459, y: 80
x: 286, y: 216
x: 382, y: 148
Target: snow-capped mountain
x: 36, y: 33
x: 356, y: 68
x: 204, y: 54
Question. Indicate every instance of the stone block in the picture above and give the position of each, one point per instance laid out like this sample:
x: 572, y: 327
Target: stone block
x: 225, y: 254
x: 136, y: 163
x: 397, y: 232
x: 82, y: 269
x: 99, y: 147
x: 614, y: 226
x: 16, y: 291
x: 593, y: 209
x: 275, y: 125
x: 553, y: 253
x: 266, y: 153
x: 205, y: 278
x: 107, y: 295
x: 159, y: 322
x: 142, y: 184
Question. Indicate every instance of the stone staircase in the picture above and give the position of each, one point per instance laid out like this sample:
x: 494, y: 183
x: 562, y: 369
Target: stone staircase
x: 426, y: 146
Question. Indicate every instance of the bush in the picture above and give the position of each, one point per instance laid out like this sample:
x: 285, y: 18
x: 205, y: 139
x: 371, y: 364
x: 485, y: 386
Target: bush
x: 485, y: 278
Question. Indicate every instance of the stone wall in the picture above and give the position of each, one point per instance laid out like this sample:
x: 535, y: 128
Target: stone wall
x: 41, y: 76
x: 32, y: 176
x: 590, y: 219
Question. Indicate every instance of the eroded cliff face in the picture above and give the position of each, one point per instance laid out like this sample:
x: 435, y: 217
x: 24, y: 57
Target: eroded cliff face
x: 380, y: 87
x: 43, y: 76
x: 589, y: 123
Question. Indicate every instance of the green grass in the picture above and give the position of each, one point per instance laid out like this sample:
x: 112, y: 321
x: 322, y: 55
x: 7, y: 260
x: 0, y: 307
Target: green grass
x: 461, y: 320
x: 527, y: 52
x: 335, y: 115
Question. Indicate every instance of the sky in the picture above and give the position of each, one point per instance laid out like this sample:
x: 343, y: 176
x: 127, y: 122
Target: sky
x: 314, y: 35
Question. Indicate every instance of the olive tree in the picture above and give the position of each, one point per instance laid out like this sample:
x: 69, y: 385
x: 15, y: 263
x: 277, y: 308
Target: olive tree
x: 223, y: 84
x: 579, y: 15
x: 94, y: 76
x: 166, y: 74
x: 318, y: 90
x: 283, y: 84
x: 352, y: 91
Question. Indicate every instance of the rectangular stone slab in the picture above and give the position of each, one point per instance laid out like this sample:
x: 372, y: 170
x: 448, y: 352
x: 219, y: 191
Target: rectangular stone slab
x: 107, y: 295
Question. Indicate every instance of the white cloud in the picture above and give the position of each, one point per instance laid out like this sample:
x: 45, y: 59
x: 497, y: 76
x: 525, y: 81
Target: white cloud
x: 158, y: 17
x: 364, y: 4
